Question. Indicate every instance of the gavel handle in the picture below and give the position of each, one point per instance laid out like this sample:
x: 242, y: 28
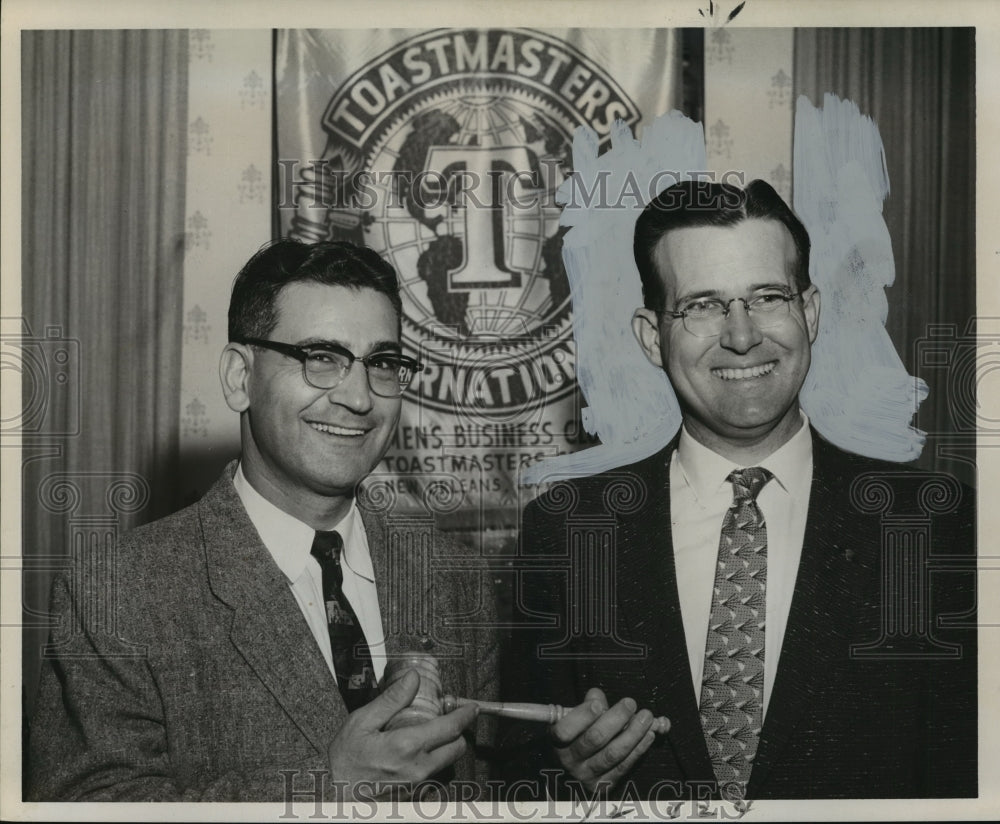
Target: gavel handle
x: 546, y: 713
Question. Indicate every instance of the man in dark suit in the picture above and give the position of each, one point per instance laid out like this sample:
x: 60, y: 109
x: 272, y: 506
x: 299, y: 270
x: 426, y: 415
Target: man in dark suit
x: 231, y: 651
x: 803, y: 616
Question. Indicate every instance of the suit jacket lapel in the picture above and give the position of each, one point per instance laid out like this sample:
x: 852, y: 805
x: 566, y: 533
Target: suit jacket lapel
x: 402, y: 582
x: 268, y: 627
x: 819, y: 619
x: 649, y: 609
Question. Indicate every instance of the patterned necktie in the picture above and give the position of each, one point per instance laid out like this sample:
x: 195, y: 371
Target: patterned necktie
x: 732, y: 685
x: 352, y: 660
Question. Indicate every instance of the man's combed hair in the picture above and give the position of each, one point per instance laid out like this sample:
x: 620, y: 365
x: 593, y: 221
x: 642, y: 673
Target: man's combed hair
x: 252, y: 309
x: 694, y: 203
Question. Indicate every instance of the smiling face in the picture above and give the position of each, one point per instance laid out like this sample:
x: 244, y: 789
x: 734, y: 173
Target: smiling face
x: 739, y: 390
x: 305, y: 449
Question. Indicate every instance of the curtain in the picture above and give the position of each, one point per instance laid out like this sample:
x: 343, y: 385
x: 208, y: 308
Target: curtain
x: 103, y: 157
x: 918, y: 85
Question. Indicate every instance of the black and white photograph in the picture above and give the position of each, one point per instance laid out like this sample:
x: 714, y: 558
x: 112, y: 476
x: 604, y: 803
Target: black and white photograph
x: 551, y: 411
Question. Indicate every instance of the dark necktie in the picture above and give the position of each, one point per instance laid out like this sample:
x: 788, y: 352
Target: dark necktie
x: 352, y: 659
x: 732, y: 687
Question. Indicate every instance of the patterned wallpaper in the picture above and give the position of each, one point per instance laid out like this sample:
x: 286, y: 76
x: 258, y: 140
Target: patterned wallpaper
x: 748, y: 104
x: 228, y: 218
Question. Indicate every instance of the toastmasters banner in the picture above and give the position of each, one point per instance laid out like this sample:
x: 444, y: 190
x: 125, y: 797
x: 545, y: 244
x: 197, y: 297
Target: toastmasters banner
x: 443, y: 150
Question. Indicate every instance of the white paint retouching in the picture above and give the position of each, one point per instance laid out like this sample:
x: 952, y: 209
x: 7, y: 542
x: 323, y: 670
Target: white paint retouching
x: 857, y: 393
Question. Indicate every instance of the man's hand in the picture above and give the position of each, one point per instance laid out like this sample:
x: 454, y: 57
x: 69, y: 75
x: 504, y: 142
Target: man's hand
x: 361, y: 751
x: 597, y: 745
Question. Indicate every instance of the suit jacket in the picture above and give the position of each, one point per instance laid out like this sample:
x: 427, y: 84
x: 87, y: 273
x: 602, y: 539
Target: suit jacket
x: 183, y: 668
x: 875, y: 692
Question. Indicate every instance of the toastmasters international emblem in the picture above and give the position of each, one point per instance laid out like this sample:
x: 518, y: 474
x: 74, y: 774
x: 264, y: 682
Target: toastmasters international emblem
x: 444, y: 154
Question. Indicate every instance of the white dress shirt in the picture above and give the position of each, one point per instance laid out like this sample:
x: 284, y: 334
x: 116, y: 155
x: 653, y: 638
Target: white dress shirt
x: 289, y: 541
x: 699, y: 498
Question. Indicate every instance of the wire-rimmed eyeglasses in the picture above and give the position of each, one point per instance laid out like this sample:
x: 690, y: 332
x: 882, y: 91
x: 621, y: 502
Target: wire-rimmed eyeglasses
x: 703, y: 317
x: 325, y: 365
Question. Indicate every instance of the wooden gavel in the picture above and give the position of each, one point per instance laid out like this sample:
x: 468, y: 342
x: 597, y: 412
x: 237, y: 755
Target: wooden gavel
x: 428, y: 703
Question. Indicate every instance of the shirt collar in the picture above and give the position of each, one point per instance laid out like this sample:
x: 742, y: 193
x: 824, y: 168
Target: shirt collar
x: 706, y: 471
x: 289, y: 540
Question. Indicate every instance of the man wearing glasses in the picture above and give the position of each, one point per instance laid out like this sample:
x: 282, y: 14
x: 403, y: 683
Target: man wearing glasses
x: 757, y: 601
x: 261, y: 613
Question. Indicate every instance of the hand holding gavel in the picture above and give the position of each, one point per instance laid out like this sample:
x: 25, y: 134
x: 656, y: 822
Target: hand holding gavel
x: 429, y: 703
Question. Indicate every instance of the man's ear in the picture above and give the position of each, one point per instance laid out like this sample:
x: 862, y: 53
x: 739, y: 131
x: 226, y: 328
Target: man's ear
x: 646, y: 327
x: 234, y: 372
x: 810, y: 305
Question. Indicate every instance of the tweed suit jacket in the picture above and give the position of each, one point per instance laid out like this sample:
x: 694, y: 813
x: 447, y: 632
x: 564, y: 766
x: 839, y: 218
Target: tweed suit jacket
x: 875, y: 692
x: 183, y: 668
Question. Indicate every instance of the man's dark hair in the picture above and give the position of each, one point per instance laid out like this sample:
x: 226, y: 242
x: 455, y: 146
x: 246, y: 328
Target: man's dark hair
x: 252, y: 310
x: 692, y: 203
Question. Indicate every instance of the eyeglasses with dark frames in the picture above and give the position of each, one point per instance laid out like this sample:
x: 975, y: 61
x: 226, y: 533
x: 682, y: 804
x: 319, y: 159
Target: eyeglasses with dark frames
x: 325, y: 365
x: 703, y: 317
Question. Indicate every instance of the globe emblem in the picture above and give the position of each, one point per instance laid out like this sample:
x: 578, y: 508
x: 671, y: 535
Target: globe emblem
x: 465, y: 210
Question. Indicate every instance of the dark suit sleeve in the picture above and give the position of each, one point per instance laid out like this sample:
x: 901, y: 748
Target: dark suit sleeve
x: 922, y: 700
x: 469, y: 597
x: 875, y: 695
x: 950, y: 766
x: 529, y: 670
x: 99, y: 731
